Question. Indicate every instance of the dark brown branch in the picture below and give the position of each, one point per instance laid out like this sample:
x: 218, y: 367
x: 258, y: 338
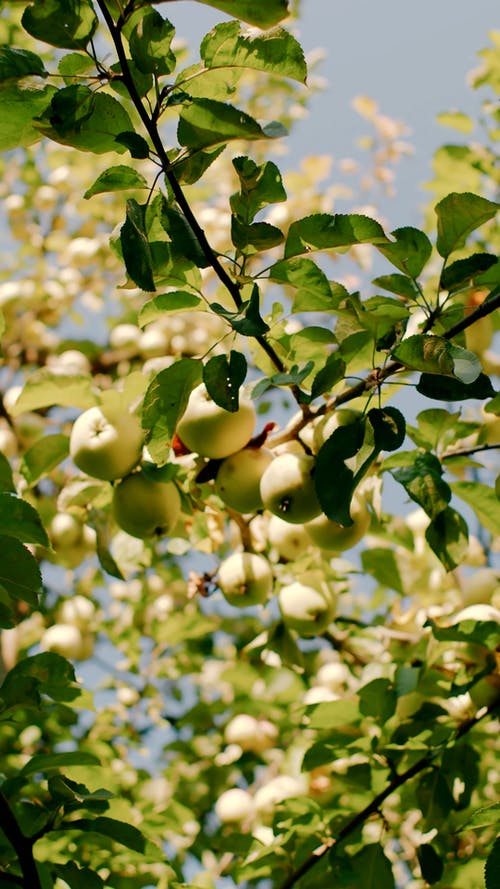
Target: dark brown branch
x: 23, y: 846
x: 469, y: 452
x: 152, y: 130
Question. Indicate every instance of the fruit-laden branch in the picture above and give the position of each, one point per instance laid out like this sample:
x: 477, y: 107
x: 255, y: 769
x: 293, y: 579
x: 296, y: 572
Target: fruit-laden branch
x: 374, y: 807
x: 23, y: 846
x: 152, y: 130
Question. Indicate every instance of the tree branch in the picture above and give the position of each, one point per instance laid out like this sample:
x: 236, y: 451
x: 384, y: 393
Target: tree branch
x: 23, y: 846
x: 373, y: 807
x: 150, y: 125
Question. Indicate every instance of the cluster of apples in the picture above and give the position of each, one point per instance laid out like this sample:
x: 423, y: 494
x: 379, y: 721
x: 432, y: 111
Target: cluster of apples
x: 249, y: 477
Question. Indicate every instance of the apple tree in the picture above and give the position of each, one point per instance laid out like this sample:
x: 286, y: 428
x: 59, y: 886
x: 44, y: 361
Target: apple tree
x: 249, y: 508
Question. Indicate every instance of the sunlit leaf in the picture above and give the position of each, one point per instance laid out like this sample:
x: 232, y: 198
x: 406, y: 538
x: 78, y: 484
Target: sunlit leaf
x: 483, y: 500
x: 436, y: 355
x: 18, y: 518
x: 448, y: 537
x: 150, y: 44
x: 205, y: 123
x: 322, y: 231
x: 84, y: 119
x: 43, y: 456
x: 116, y: 179
x: 409, y: 251
x: 165, y: 303
x: 20, y: 63
x: 457, y: 216
x: 263, y: 15
x: 275, y: 53
x: 45, y: 388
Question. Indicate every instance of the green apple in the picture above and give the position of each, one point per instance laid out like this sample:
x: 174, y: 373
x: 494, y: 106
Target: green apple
x: 250, y: 733
x: 287, y: 488
x: 209, y: 430
x: 68, y: 641
x: 333, y: 536
x: 146, y: 508
x: 78, y: 611
x: 238, y: 478
x: 245, y: 579
x: 105, y: 445
x: 277, y: 790
x: 305, y: 609
x: 289, y: 541
x: 234, y: 806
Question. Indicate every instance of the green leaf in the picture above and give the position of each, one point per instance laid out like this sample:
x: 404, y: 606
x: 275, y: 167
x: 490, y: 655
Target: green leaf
x: 477, y: 632
x: 119, y: 831
x: 389, y: 428
x: 486, y: 816
x: 333, y: 479
x: 457, y: 216
x: 255, y: 237
x: 223, y: 378
x: 47, y: 673
x: 19, y: 572
x: 47, y: 762
x: 483, y: 500
x: 333, y: 714
x: 135, y: 247
x: 492, y: 866
x: 69, y: 24
x: 20, y: 104
x: 18, y: 518
x: 44, y: 456
x: 6, y: 477
x: 150, y: 43
x: 20, y: 63
x: 398, y: 284
x: 205, y: 123
x: 434, y: 797
x: 247, y: 320
x: 73, y: 65
x: 314, y: 292
x: 436, y: 355
x: 180, y: 232
x: 431, y: 864
x: 278, y: 53
x: 136, y: 144
x: 380, y: 563
x: 328, y: 376
x: 165, y: 303
x: 44, y: 388
x: 448, y: 537
x: 77, y: 877
x: 448, y: 389
x: 259, y: 14
x: 165, y: 402
x: 409, y: 252
x: 378, y: 699
x: 424, y: 483
x: 371, y: 869
x: 322, y: 231
x: 260, y: 185
x: 84, y: 119
x: 116, y: 179
x: 462, y: 272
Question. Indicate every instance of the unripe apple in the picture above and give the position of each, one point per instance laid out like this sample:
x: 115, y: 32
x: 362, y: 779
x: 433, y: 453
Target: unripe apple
x: 250, y: 734
x: 78, y: 611
x: 105, y: 445
x: 234, y: 806
x: 146, y: 508
x: 275, y: 792
x: 238, y: 478
x: 65, y: 530
x: 481, y: 611
x: 481, y: 586
x: 334, y: 675
x: 68, y: 641
x: 209, y: 430
x: 8, y: 441
x: 124, y: 338
x: 334, y: 537
x: 290, y: 541
x: 245, y: 579
x: 305, y: 609
x: 287, y: 488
